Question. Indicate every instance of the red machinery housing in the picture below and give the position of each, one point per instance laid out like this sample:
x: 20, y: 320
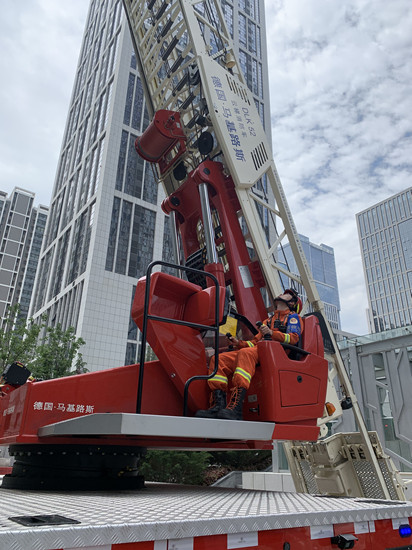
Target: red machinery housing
x: 164, y: 140
x: 176, y: 317
x: 290, y: 393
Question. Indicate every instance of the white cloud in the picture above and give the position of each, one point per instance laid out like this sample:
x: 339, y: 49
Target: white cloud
x: 340, y: 77
x: 40, y: 42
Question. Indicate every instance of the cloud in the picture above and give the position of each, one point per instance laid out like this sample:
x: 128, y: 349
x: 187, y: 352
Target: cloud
x: 340, y: 80
x: 40, y: 41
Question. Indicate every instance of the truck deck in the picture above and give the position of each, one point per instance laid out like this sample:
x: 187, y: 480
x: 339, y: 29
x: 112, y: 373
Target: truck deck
x: 165, y: 516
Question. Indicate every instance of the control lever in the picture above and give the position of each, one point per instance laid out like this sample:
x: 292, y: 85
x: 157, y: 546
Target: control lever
x: 230, y: 337
x: 266, y: 336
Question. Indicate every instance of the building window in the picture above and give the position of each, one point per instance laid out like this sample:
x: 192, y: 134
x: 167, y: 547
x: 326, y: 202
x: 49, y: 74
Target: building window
x: 123, y: 240
x: 129, y: 99
x: 138, y: 106
x: 131, y: 351
x: 134, y: 171
x: 122, y: 161
x: 141, y: 252
x: 242, y: 30
x: 111, y: 247
x: 132, y: 331
x: 228, y: 13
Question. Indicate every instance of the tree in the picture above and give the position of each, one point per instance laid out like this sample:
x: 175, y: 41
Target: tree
x: 18, y: 338
x: 54, y: 356
x: 199, y: 467
x: 187, y: 467
x: 242, y: 460
x: 58, y: 353
x: 224, y: 462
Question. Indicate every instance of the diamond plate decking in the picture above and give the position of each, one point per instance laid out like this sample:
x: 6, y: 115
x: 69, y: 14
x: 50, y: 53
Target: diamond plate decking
x: 162, y: 511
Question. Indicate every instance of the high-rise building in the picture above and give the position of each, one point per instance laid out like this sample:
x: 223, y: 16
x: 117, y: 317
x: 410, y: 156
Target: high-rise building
x: 106, y: 224
x: 321, y: 260
x: 385, y: 235
x: 379, y: 366
x: 21, y: 235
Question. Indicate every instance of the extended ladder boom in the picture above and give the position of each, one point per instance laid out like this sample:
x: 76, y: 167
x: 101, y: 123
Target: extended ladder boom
x: 188, y: 65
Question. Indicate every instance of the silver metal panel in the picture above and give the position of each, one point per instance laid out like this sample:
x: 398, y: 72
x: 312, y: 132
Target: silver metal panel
x: 339, y: 466
x: 162, y: 511
x: 380, y: 365
x: 160, y: 426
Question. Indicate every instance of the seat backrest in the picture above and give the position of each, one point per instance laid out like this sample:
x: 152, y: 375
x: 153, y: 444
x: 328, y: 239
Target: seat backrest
x: 312, y: 340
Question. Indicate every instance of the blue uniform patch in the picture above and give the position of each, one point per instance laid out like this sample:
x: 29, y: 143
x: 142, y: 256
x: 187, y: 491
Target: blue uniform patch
x: 293, y: 324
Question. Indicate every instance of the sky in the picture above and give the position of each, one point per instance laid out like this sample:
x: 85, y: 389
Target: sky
x: 341, y: 96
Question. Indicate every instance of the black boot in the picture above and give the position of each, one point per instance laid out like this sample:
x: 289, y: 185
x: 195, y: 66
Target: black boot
x: 234, y: 409
x: 218, y: 402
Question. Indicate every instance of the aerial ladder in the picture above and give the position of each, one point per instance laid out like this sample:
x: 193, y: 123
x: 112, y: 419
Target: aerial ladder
x: 188, y: 65
x: 229, y: 221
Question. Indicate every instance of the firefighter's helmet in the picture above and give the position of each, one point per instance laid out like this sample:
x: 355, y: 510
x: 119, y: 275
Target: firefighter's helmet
x: 297, y: 302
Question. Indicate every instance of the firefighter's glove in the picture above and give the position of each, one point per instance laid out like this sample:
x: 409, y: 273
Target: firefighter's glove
x: 265, y: 330
x: 232, y: 341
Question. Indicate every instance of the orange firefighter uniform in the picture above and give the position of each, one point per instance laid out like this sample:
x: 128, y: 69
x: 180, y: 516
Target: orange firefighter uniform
x: 239, y: 365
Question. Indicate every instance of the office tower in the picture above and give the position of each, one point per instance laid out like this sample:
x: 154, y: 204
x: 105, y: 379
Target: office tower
x: 21, y: 235
x: 106, y: 224
x: 321, y: 260
x: 385, y: 235
x: 380, y: 370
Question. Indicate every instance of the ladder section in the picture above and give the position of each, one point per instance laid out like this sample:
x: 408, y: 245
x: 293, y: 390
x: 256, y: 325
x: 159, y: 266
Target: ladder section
x: 169, y: 37
x: 187, y: 65
x: 339, y: 466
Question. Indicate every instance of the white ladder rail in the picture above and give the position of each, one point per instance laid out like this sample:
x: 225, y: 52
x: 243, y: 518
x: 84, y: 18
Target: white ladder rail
x: 245, y: 148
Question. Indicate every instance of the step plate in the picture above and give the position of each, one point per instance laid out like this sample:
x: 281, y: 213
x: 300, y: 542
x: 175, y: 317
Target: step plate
x: 163, y: 511
x: 148, y: 425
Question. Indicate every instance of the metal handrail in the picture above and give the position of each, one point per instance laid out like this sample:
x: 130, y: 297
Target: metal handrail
x: 198, y: 326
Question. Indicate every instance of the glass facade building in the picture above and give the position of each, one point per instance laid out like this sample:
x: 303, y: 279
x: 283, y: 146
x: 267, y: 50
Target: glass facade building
x: 321, y: 260
x: 380, y: 368
x: 106, y: 224
x: 385, y: 235
x: 21, y: 235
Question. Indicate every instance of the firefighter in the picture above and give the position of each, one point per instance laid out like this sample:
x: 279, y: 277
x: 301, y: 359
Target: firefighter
x: 284, y: 326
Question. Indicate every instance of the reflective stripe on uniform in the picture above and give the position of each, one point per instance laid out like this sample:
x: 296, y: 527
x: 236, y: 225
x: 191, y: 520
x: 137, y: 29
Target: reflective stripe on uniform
x: 218, y: 378
x: 249, y: 343
x: 287, y: 339
x: 243, y: 373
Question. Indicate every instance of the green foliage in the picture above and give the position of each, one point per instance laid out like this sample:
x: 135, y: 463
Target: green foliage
x: 52, y: 357
x: 242, y: 460
x: 185, y: 467
x: 224, y: 462
x: 18, y: 338
x: 200, y: 468
x: 57, y: 352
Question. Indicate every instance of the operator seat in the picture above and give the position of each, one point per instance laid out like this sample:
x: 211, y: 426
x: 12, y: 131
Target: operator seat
x: 287, y: 390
